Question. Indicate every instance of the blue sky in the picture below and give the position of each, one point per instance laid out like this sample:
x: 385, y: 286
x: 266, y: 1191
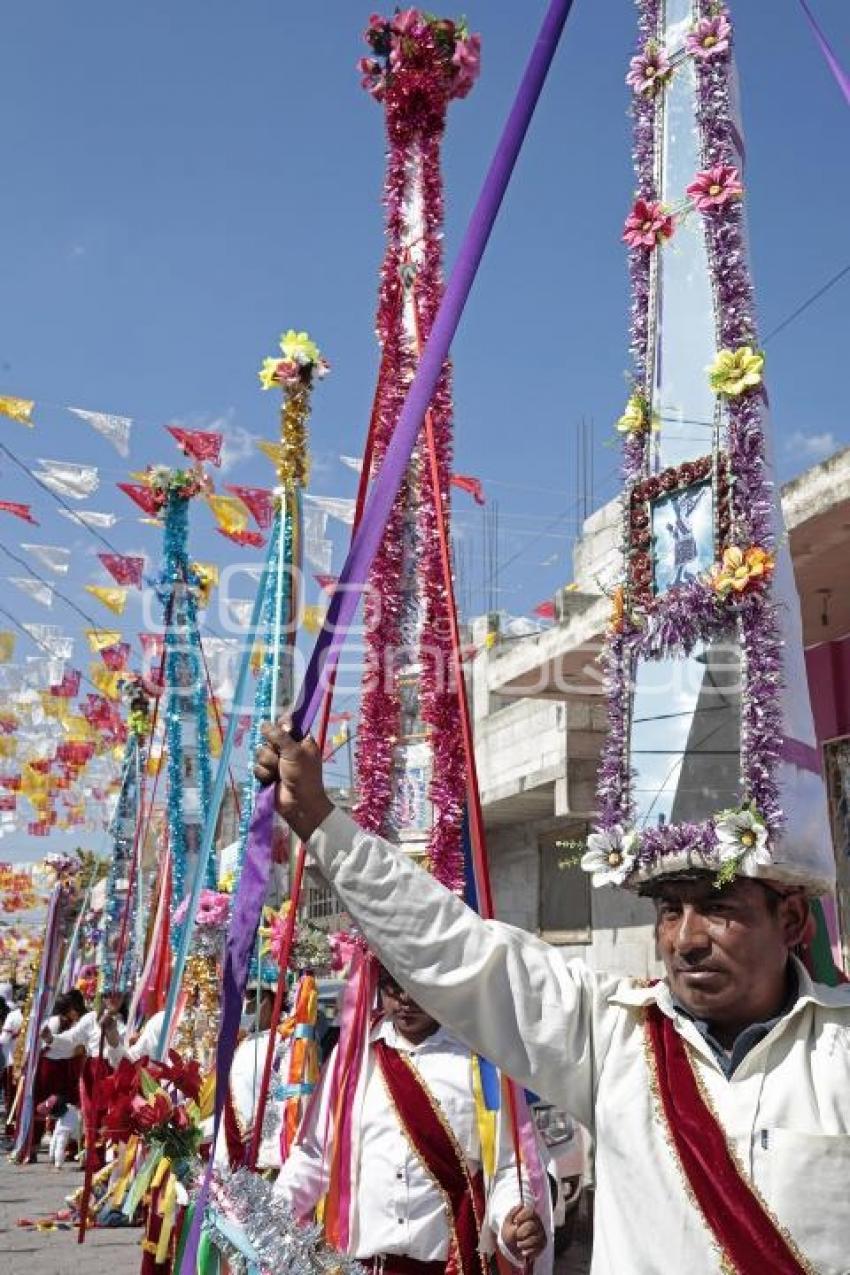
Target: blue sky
x: 183, y: 181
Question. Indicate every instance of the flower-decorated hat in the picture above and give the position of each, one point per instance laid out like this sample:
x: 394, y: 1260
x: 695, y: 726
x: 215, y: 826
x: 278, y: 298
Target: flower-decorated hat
x: 711, y: 761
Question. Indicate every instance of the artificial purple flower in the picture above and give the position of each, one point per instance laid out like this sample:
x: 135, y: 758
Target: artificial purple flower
x: 710, y: 37
x: 649, y: 69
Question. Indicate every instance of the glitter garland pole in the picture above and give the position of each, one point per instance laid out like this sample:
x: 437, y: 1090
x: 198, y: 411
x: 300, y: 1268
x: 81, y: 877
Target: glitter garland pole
x: 410, y: 772
x: 186, y: 722
x: 294, y: 372
x: 117, y: 969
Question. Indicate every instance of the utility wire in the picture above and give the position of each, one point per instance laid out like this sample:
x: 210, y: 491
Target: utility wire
x: 810, y: 301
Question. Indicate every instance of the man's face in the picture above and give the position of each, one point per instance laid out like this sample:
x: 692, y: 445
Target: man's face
x: 405, y: 1014
x: 726, y: 950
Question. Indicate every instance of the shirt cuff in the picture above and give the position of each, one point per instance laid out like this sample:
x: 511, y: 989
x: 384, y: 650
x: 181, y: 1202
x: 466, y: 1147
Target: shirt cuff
x: 332, y: 840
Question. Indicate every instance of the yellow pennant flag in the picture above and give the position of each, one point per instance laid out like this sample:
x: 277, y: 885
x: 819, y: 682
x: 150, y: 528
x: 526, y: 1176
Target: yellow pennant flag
x: 7, y: 646
x: 230, y: 513
x: 208, y: 577
x: 274, y: 451
x: 8, y: 746
x: 105, y: 681
x: 313, y: 619
x: 214, y: 732
x: 141, y: 476
x: 17, y: 409
x: 101, y: 639
x: 113, y: 598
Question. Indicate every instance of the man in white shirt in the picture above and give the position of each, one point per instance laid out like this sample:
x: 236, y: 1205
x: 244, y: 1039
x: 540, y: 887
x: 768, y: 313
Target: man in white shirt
x: 416, y: 1090
x: 719, y: 1098
x: 80, y: 1029
x: 10, y: 1029
x: 246, y: 1074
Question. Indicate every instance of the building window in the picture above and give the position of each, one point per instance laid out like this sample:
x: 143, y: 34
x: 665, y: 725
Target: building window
x: 564, y: 892
x: 321, y: 903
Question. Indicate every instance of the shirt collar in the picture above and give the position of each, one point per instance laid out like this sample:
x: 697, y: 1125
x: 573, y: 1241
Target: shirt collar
x: 636, y: 993
x: 384, y: 1030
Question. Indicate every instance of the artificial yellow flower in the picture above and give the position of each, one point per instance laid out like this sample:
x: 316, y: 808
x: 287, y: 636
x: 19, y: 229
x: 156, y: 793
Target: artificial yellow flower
x: 299, y: 347
x: 734, y: 372
x: 636, y: 416
x: 740, y: 568
x: 268, y: 372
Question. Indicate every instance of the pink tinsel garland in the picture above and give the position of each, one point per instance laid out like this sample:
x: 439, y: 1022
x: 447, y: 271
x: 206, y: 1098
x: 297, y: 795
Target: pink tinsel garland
x: 415, y: 98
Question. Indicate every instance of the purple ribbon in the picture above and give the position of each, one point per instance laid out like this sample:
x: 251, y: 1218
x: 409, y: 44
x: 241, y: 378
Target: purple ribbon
x: 803, y: 756
x: 250, y: 895
x: 842, y: 79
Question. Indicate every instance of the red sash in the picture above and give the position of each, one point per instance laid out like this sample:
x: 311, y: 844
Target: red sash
x: 436, y: 1146
x: 233, y: 1136
x: 749, y: 1236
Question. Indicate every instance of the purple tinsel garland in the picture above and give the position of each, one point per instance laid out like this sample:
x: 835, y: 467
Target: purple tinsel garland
x: 694, y: 612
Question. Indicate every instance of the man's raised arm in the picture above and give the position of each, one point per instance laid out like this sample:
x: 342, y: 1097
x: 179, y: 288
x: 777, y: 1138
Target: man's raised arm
x: 507, y: 994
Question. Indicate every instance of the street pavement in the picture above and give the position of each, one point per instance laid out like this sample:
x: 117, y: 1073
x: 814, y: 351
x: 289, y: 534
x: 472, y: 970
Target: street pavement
x: 36, y: 1191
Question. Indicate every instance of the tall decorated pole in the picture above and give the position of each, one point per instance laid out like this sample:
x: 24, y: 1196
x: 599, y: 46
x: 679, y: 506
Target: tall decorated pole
x: 294, y: 372
x: 710, y: 760
x: 119, y: 953
x: 187, y: 744
x: 410, y: 767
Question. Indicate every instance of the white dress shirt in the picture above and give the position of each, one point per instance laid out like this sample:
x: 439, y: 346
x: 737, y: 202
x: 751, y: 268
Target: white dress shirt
x: 397, y: 1206
x: 84, y: 1032
x: 145, y: 1045
x: 577, y: 1038
x: 9, y: 1033
x: 246, y: 1075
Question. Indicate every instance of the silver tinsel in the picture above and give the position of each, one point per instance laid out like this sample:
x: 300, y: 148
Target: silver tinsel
x: 247, y: 1200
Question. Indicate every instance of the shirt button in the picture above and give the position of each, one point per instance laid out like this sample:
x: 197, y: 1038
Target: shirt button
x: 399, y: 1175
x: 400, y: 1221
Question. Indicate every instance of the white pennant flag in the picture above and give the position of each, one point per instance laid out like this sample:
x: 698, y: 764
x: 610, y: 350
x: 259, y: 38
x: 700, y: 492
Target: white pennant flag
x: 54, y: 557
x: 34, y: 589
x: 11, y: 677
x: 43, y: 671
x: 240, y: 612
x: 353, y: 462
x: 77, y: 482
x: 51, y: 638
x: 319, y: 554
x: 337, y: 506
x: 114, y: 428
x: 89, y: 517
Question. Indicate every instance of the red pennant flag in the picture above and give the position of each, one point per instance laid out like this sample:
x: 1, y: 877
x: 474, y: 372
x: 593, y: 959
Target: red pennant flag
x: 545, y: 610
x: 19, y: 511
x: 339, y: 717
x: 123, y: 569
x: 40, y: 829
x: 69, y: 686
x: 326, y: 583
x: 152, y: 645
x: 259, y: 502
x: 10, y: 782
x: 8, y: 803
x: 254, y: 539
x: 115, y: 657
x: 198, y: 443
x: 144, y: 497
x: 465, y: 482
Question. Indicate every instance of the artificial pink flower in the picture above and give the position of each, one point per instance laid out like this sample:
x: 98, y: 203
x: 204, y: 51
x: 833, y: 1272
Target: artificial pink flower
x: 710, y: 37
x: 467, y: 59
x: 714, y: 187
x: 212, y: 909
x: 647, y: 224
x: 649, y: 69
x: 408, y: 22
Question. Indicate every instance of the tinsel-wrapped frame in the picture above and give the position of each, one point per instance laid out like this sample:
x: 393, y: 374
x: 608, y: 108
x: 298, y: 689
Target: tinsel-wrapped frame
x: 679, y: 619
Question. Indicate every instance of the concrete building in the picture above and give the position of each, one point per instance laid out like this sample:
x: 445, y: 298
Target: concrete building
x: 540, y: 719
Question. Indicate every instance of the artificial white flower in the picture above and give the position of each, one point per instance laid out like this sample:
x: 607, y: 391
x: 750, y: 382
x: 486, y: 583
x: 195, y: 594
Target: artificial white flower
x: 742, y: 838
x: 610, y: 855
